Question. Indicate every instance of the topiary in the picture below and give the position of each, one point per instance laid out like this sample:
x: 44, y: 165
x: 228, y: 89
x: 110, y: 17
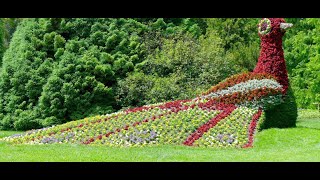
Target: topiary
x: 283, y: 115
x: 271, y: 61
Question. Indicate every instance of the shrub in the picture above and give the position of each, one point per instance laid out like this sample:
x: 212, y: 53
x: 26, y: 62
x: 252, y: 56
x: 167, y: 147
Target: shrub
x: 283, y: 115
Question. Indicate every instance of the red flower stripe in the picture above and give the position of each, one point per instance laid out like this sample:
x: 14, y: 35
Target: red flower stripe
x: 252, y: 128
x: 212, y: 104
x: 235, y: 79
x: 208, y: 125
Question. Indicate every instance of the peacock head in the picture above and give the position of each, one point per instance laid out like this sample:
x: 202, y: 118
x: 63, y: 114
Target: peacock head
x: 271, y: 28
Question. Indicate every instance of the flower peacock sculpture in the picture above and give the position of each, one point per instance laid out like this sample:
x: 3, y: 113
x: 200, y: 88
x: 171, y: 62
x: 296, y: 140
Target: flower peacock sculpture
x: 227, y: 115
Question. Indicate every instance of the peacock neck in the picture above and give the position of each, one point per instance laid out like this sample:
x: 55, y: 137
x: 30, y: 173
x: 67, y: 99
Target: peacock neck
x: 271, y: 52
x: 271, y: 60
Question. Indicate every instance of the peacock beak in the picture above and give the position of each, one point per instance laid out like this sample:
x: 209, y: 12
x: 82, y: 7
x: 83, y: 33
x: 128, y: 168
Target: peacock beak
x: 284, y: 26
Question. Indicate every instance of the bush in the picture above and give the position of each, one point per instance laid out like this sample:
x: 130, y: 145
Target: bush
x: 26, y: 120
x: 283, y: 115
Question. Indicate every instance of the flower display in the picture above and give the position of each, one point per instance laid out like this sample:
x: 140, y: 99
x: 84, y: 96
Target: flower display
x: 232, y: 131
x: 252, y: 128
x: 176, y: 122
x: 271, y: 59
x: 210, y: 124
x: 247, y: 89
x: 264, y: 26
x: 226, y: 115
x: 172, y: 128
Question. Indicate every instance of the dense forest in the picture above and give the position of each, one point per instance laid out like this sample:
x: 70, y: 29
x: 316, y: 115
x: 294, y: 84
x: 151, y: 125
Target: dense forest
x: 54, y: 70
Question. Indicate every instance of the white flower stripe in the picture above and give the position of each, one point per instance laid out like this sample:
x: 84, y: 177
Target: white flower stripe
x: 245, y: 87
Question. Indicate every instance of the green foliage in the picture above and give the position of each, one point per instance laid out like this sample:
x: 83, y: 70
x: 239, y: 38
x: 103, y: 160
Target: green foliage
x: 244, y: 57
x: 302, y: 48
x: 57, y: 74
x: 235, y: 31
x: 182, y: 69
x: 60, y: 69
x: 1, y: 40
x: 139, y: 89
x: 7, y: 28
x: 308, y: 114
x: 241, y: 40
x: 283, y: 115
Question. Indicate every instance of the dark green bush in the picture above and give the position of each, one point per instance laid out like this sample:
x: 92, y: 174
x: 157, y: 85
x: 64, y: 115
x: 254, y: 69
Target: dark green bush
x: 283, y: 115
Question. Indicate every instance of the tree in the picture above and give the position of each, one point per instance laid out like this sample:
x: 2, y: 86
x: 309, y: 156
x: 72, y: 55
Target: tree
x: 61, y: 69
x: 302, y: 47
x: 1, y: 39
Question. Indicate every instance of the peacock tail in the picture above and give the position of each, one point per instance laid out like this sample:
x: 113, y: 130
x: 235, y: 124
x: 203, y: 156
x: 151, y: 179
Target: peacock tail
x: 227, y: 115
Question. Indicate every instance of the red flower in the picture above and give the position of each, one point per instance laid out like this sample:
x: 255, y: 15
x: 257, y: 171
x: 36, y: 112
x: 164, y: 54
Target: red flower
x: 227, y: 109
x: 100, y: 137
x: 252, y: 128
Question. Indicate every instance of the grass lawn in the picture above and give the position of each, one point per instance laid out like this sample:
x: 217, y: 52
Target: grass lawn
x: 292, y: 144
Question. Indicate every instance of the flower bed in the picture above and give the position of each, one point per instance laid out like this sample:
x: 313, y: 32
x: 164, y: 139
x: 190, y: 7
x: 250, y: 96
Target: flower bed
x: 247, y: 89
x: 168, y: 123
x: 238, y: 78
x: 235, y: 130
x: 172, y: 128
x: 226, y: 116
x: 228, y: 110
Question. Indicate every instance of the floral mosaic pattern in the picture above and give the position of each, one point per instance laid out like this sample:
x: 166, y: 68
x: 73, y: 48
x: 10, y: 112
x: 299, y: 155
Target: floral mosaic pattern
x: 226, y: 115
x: 221, y: 118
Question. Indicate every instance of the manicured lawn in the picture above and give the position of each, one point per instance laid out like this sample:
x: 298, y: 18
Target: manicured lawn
x: 291, y: 144
x: 309, y: 123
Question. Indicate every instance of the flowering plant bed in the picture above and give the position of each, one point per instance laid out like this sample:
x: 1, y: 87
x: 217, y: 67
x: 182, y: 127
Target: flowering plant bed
x: 226, y: 115
x: 222, y: 118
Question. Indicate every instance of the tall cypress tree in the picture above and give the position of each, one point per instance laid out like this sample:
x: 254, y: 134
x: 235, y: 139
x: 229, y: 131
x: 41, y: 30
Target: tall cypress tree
x: 1, y: 40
